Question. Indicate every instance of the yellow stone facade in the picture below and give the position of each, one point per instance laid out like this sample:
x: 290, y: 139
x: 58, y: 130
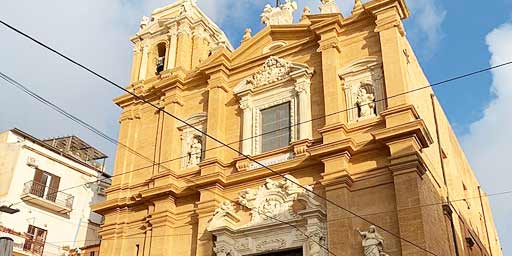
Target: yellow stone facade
x: 400, y: 167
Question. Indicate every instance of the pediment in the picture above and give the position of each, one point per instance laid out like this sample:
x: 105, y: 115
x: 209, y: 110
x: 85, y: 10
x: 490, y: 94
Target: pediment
x: 284, y: 35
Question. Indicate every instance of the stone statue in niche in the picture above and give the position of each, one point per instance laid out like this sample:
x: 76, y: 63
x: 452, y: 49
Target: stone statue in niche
x: 373, y: 243
x: 194, y: 152
x: 365, y: 102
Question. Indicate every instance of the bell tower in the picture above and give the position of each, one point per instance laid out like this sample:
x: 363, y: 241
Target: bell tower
x: 179, y: 35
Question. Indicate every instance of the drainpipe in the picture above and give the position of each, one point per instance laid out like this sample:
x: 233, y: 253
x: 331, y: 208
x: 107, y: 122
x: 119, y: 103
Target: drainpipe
x: 447, y: 207
x: 485, y: 219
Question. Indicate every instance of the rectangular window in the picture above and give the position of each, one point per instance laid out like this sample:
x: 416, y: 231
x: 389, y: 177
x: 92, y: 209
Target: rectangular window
x: 275, y: 123
x: 36, y: 238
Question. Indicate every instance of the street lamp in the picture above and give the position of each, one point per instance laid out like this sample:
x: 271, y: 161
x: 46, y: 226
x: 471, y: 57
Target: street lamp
x: 8, y: 209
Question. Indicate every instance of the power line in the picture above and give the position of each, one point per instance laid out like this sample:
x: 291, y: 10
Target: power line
x: 90, y: 127
x: 222, y: 143
x: 335, y: 219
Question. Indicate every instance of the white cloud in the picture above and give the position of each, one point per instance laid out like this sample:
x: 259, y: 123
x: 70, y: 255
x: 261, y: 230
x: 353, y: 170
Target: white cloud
x: 428, y: 17
x: 488, y: 142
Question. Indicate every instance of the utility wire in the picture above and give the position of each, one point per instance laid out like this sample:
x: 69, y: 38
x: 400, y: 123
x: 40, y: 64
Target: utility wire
x: 103, y: 135
x: 219, y: 141
x: 331, y: 220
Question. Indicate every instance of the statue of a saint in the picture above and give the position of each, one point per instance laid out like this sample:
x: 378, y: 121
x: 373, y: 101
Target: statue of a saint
x: 373, y: 243
x: 366, y: 103
x: 194, y: 152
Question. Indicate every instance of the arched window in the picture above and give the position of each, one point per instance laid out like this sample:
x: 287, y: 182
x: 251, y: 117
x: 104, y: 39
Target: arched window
x: 160, y: 61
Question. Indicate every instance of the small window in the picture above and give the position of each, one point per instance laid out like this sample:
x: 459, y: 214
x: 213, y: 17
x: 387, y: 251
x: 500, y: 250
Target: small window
x: 275, y: 122
x: 160, y: 61
x: 92, y: 254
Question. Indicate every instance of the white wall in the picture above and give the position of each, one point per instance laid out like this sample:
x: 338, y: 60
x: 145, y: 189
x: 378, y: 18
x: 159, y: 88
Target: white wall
x: 63, y: 230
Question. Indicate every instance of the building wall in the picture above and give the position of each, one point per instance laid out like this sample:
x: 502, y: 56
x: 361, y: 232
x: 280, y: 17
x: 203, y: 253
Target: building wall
x: 70, y: 230
x: 402, y: 169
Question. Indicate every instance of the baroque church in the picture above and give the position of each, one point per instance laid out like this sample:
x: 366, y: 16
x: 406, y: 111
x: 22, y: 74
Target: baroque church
x: 330, y: 146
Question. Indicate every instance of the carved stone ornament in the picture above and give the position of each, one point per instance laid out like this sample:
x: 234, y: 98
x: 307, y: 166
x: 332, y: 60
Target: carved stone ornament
x: 274, y: 224
x: 282, y: 14
x: 273, y: 201
x: 273, y: 70
x: 329, y: 6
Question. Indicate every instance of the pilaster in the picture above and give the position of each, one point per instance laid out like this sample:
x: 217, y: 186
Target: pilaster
x: 337, y: 182
x: 391, y: 32
x: 210, y: 199
x: 217, y: 97
x: 184, y: 52
x: 136, y: 62
x: 171, y: 150
x: 173, y: 47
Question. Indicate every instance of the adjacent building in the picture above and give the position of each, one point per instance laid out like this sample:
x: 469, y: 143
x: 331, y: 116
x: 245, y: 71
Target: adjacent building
x: 331, y: 103
x: 53, y: 183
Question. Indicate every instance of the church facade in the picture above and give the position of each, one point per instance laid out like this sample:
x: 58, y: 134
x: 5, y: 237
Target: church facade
x: 332, y: 147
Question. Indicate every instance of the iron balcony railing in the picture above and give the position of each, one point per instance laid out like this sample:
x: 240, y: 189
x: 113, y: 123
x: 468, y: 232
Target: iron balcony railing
x: 49, y: 194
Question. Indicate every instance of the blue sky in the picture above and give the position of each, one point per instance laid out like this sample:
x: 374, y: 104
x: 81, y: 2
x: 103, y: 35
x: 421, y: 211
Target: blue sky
x: 450, y: 38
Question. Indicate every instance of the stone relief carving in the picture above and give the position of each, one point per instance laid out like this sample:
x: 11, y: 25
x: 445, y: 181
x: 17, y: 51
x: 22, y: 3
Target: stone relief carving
x: 273, y: 200
x: 373, y: 243
x: 223, y: 250
x: 263, y: 233
x: 273, y: 70
x: 282, y: 14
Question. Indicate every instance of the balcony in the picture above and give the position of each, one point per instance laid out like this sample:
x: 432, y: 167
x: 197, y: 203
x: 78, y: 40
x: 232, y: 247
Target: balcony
x: 49, y: 198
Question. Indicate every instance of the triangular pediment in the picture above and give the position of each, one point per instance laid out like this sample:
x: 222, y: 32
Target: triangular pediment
x: 272, y: 39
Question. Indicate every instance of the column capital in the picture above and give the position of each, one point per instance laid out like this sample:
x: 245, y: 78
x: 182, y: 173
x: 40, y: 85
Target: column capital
x: 387, y: 19
x: 329, y: 43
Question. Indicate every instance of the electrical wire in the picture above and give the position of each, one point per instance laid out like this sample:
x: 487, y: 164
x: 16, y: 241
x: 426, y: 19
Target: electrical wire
x: 219, y: 141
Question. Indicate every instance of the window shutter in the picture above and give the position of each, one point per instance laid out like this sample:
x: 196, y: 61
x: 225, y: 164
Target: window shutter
x: 37, y: 189
x: 54, y: 188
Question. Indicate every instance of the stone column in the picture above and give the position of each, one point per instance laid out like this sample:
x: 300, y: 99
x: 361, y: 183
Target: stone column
x: 391, y: 32
x: 136, y: 62
x: 184, y: 52
x: 246, y: 106
x: 173, y: 46
x: 144, y: 62
x: 302, y: 86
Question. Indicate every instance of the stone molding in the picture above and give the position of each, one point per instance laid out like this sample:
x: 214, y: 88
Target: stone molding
x: 272, y: 211
x: 277, y: 81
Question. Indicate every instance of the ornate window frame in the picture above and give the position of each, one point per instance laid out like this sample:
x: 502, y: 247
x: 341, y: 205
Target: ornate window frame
x: 361, y: 73
x: 277, y: 81
x: 188, y: 133
x: 272, y: 212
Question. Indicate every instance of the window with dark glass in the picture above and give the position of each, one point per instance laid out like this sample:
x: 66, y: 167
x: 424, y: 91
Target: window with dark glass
x: 295, y: 252
x: 275, y: 123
